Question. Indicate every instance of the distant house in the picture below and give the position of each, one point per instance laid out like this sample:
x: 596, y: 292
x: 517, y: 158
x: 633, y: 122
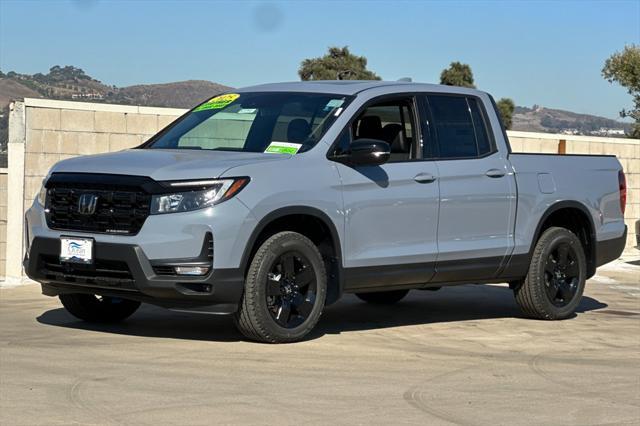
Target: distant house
x: 605, y: 131
x: 93, y: 96
x: 570, y: 132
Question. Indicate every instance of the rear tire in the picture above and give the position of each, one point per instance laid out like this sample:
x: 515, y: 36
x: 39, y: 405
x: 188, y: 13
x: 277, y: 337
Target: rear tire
x: 555, y: 282
x: 383, y: 297
x: 285, y: 290
x: 91, y: 308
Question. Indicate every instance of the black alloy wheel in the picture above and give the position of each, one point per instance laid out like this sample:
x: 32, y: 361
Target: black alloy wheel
x: 562, y: 275
x: 556, y: 278
x: 291, y: 289
x: 285, y: 290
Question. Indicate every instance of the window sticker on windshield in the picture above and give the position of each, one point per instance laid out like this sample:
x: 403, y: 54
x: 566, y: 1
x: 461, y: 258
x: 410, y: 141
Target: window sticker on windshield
x: 333, y: 103
x: 247, y: 111
x: 218, y: 102
x: 282, y: 148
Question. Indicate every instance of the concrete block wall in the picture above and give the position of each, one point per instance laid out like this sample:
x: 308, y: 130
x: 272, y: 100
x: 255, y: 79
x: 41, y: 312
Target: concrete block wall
x: 3, y: 219
x: 56, y: 130
x: 42, y: 132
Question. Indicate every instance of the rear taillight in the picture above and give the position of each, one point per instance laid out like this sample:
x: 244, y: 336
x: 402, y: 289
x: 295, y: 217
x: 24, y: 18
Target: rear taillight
x: 622, y: 182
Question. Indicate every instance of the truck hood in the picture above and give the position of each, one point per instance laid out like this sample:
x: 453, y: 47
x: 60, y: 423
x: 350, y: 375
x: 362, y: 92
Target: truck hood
x: 164, y: 164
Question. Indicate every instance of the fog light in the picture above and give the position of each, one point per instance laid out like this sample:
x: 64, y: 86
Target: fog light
x: 191, y: 270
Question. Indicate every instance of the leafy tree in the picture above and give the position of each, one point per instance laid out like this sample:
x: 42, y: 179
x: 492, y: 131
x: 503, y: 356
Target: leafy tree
x: 338, y: 64
x: 506, y: 107
x: 458, y: 74
x: 58, y: 74
x: 624, y: 68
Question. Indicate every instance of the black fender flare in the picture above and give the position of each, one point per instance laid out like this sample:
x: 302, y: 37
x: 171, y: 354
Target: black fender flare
x: 298, y: 210
x: 518, y: 265
x: 558, y: 206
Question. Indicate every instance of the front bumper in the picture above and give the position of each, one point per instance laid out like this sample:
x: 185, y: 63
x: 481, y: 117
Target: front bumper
x: 123, y: 270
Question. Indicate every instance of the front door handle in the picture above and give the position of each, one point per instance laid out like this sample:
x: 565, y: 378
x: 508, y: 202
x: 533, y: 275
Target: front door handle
x: 495, y: 173
x: 425, y: 178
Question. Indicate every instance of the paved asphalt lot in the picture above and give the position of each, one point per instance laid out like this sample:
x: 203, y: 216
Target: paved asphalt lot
x: 461, y: 355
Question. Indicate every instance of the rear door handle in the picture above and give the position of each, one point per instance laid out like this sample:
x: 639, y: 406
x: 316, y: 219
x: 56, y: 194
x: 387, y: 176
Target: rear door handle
x: 495, y: 173
x: 425, y: 178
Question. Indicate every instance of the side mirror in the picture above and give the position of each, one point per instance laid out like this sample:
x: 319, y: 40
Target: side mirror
x: 369, y: 152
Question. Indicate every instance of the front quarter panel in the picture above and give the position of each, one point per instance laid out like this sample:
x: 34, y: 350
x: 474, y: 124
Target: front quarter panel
x: 304, y: 181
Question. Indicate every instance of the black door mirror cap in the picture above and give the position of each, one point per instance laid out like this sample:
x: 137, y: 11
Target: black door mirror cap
x: 369, y: 152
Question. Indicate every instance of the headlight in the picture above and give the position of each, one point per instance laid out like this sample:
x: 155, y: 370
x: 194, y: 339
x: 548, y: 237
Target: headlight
x: 42, y: 195
x: 195, y: 195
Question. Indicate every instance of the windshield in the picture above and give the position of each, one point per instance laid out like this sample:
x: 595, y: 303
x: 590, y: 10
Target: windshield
x: 254, y: 122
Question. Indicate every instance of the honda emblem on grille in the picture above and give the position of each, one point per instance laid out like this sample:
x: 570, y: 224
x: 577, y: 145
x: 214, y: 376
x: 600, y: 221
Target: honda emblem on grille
x: 87, y: 204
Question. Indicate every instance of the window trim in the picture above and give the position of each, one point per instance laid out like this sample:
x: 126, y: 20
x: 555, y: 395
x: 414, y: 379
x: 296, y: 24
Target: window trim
x: 475, y: 130
x: 501, y: 123
x: 436, y: 138
x: 417, y: 138
x: 427, y: 129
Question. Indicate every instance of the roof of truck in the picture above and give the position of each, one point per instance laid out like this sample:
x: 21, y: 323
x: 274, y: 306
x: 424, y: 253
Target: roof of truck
x: 353, y: 87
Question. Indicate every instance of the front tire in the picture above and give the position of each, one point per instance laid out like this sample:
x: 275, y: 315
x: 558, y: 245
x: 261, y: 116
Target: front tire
x: 91, y: 308
x: 555, y: 282
x: 285, y: 290
x: 383, y: 297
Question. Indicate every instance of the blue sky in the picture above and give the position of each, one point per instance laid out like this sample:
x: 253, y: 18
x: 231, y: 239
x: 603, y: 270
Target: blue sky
x: 536, y: 52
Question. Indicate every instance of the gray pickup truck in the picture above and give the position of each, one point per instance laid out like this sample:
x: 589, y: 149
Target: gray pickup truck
x: 271, y: 202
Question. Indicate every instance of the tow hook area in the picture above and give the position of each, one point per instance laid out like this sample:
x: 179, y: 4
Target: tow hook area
x: 194, y: 288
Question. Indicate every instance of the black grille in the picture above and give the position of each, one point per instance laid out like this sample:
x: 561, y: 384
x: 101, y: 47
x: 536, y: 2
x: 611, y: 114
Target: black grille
x: 104, y: 273
x: 117, y: 211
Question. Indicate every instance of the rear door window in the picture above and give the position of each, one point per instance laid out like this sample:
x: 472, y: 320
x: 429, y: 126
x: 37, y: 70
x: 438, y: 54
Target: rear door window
x: 459, y: 126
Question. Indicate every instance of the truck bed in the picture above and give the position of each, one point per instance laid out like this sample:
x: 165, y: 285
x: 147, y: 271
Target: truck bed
x: 545, y: 179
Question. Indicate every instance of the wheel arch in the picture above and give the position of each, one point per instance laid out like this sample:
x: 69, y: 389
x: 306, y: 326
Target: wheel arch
x: 574, y: 216
x: 295, y: 218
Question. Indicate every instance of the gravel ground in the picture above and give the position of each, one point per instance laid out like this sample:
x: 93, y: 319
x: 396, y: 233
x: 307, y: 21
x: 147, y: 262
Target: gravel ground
x: 462, y: 355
